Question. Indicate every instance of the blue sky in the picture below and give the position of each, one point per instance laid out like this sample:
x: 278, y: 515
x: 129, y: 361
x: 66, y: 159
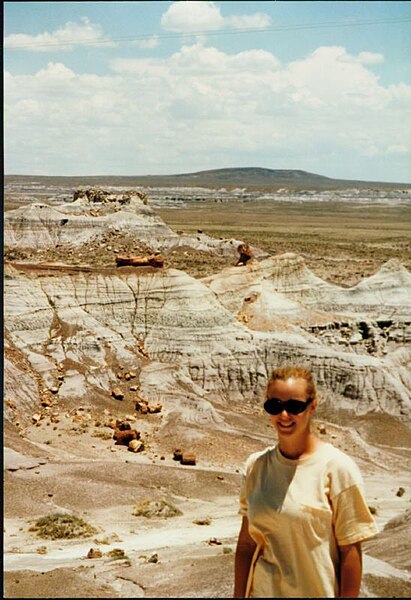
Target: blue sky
x: 124, y: 88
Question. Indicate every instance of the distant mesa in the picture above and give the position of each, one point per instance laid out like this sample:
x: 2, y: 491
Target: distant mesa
x: 251, y: 178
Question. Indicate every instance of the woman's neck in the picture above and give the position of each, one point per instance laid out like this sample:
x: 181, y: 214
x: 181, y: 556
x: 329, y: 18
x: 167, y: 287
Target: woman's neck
x: 298, y: 448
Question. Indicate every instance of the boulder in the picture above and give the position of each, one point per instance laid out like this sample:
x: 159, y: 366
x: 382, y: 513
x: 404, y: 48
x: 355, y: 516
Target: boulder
x: 123, y: 438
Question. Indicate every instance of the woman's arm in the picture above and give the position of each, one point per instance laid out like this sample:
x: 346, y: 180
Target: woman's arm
x: 243, y: 556
x: 350, y: 570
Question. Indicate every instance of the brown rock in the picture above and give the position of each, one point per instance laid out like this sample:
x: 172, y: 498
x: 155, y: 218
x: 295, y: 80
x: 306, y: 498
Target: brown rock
x: 177, y: 454
x: 214, y: 542
x: 188, y: 458
x: 123, y: 438
x: 135, y: 446
x: 155, y: 409
x: 142, y: 407
x: 153, y: 558
x: 117, y: 393
x: 133, y: 388
x: 94, y: 553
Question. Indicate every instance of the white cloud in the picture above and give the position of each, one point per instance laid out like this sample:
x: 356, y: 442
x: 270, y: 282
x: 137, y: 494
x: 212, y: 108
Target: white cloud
x: 194, y: 16
x: 204, y: 108
x: 370, y: 58
x: 66, y: 38
x: 255, y: 21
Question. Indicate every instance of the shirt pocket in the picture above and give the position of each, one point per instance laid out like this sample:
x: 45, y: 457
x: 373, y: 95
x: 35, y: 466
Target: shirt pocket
x: 316, y: 523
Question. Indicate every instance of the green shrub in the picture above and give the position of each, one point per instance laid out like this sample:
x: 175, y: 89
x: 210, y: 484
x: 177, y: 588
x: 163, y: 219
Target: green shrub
x: 62, y: 526
x: 156, y: 508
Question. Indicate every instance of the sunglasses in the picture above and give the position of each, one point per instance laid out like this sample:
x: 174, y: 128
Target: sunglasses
x: 274, y: 406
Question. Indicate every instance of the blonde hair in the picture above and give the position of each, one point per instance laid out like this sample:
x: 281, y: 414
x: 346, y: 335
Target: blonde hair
x: 284, y: 373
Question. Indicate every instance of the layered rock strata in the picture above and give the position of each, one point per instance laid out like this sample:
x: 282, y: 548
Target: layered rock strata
x: 88, y: 323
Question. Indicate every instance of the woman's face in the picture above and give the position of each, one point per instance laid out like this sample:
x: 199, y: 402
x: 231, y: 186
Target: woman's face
x: 286, y: 423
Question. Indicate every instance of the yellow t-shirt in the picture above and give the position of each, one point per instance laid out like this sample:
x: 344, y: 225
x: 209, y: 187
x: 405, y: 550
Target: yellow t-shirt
x: 299, y: 512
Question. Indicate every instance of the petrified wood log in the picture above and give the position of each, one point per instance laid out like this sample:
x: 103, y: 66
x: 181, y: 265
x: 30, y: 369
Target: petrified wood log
x: 140, y: 261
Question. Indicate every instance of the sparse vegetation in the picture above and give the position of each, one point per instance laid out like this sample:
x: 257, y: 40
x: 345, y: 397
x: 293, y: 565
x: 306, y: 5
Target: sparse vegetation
x: 62, y: 526
x: 156, y: 508
x: 205, y: 521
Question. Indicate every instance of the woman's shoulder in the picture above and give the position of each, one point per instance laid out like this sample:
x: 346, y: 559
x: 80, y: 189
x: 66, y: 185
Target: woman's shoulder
x: 256, y: 457
x: 341, y: 466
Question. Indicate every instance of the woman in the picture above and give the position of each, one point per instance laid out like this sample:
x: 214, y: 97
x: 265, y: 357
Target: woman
x: 304, y: 512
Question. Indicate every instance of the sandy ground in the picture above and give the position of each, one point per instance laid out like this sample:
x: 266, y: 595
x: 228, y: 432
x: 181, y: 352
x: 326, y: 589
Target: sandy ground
x: 103, y: 485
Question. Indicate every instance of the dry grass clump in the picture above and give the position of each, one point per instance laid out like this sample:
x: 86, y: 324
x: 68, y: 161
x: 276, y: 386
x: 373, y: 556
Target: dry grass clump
x: 204, y: 521
x: 62, y: 526
x: 156, y: 508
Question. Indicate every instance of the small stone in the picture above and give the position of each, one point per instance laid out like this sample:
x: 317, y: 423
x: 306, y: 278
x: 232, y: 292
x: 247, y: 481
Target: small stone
x: 177, y: 454
x: 153, y: 558
x: 94, y: 553
x: 322, y: 429
x: 188, y: 458
x: 54, y: 390
x: 135, y: 446
x: 214, y: 542
x: 133, y: 388
x: 117, y: 393
x: 400, y: 492
x: 36, y: 418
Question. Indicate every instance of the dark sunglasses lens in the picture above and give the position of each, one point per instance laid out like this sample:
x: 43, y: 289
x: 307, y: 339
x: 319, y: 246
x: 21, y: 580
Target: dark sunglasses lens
x: 273, y: 407
x: 294, y: 407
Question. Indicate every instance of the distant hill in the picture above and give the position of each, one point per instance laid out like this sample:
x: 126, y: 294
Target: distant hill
x: 251, y: 178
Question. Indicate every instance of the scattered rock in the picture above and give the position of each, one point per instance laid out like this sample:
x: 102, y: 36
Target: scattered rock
x: 153, y: 558
x: 123, y: 438
x: 400, y: 492
x: 177, y: 454
x: 117, y: 393
x: 322, y: 429
x: 188, y: 458
x: 214, y: 542
x: 116, y: 553
x: 135, y: 446
x: 94, y: 553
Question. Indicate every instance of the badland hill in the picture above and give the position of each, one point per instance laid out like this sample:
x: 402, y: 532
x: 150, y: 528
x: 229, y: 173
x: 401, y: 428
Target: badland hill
x: 133, y: 383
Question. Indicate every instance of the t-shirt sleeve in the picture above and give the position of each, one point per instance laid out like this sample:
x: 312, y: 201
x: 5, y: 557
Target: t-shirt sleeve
x: 352, y: 518
x: 245, y: 472
x: 243, y: 510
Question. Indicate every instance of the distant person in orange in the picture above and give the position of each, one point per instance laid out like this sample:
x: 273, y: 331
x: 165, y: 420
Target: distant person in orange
x: 303, y: 506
